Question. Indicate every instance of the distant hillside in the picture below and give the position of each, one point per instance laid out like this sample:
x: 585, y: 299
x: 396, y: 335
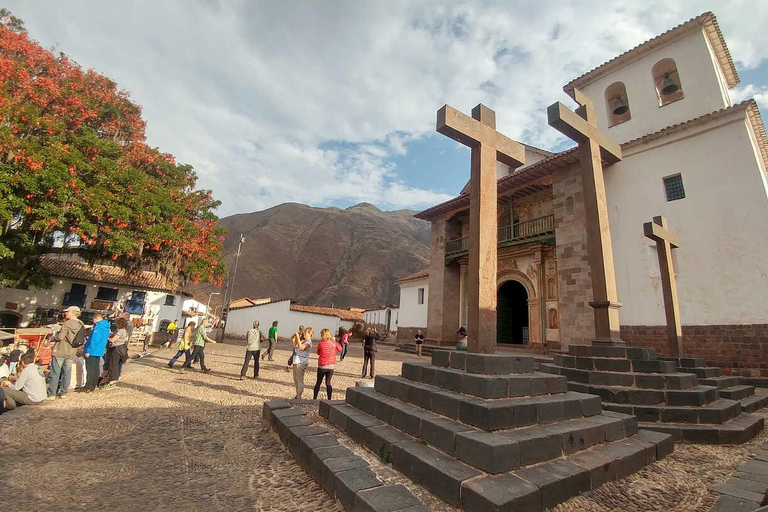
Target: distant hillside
x: 320, y: 256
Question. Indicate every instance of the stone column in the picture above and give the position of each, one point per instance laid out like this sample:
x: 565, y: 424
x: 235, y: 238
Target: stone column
x: 444, y: 285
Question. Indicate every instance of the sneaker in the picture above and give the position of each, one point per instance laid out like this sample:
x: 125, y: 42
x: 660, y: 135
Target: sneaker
x: 63, y: 396
x: 207, y: 370
x: 242, y: 377
x: 109, y: 387
x: 51, y: 397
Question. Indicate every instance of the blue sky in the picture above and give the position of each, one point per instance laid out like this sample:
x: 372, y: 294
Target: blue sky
x: 333, y: 103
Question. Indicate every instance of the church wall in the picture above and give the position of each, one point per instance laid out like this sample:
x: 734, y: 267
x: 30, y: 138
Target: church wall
x: 574, y: 285
x: 413, y: 314
x: 701, y: 83
x: 444, y: 285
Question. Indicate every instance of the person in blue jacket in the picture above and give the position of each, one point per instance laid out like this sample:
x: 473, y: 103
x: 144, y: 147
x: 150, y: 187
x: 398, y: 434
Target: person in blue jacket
x: 93, y: 351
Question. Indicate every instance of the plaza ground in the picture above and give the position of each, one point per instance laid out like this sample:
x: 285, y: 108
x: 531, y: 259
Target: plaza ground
x: 166, y: 440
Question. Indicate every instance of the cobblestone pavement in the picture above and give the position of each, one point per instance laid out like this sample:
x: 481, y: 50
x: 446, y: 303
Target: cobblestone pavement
x: 166, y: 440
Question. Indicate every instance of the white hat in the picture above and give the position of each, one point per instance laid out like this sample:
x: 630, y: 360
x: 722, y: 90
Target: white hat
x: 74, y: 309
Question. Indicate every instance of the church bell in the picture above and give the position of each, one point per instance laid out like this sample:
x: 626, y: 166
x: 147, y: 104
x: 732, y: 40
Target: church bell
x: 619, y: 107
x: 669, y: 86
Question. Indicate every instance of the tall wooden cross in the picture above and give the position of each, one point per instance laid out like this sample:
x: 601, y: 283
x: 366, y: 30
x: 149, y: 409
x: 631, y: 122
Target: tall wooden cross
x: 594, y: 146
x: 665, y: 242
x: 479, y: 133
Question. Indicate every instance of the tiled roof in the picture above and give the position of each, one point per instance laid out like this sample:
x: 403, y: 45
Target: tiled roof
x: 528, y: 175
x: 108, y: 274
x: 247, y: 301
x: 343, y: 314
x: 416, y: 275
x: 707, y: 21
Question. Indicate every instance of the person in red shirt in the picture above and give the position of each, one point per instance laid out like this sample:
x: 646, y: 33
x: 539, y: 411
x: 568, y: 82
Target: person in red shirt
x: 326, y: 361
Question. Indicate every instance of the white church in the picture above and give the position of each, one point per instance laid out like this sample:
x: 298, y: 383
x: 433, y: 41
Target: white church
x: 690, y: 155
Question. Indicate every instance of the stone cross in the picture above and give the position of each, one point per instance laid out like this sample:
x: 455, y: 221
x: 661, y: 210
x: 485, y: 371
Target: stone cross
x: 594, y: 146
x: 487, y: 145
x: 665, y: 242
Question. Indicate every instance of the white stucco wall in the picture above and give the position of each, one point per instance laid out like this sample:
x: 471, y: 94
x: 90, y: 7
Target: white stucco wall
x: 413, y: 314
x: 378, y: 316
x: 722, y: 224
x: 240, y: 320
x: 701, y: 81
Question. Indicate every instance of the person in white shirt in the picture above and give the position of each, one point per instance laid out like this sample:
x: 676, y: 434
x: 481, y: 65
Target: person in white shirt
x: 29, y: 388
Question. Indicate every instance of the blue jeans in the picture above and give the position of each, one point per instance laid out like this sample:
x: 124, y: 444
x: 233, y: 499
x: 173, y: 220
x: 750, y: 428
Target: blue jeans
x: 178, y: 355
x: 61, y: 374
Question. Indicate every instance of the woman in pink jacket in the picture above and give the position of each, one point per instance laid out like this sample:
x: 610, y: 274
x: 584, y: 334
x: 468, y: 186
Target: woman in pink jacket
x: 326, y: 361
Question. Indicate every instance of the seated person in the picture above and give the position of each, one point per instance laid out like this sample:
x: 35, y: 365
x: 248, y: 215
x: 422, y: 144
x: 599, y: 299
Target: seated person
x: 29, y: 388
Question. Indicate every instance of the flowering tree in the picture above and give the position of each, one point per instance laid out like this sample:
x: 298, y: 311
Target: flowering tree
x: 75, y: 170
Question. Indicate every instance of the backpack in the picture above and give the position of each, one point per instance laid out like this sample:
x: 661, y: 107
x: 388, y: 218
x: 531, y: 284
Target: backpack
x: 79, y: 339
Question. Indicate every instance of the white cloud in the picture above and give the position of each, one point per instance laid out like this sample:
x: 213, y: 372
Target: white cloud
x: 304, y: 101
x: 748, y: 91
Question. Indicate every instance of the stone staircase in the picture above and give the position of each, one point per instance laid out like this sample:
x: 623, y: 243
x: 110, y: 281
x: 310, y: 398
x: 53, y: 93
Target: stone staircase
x: 487, y: 432
x: 664, y: 399
x: 730, y: 387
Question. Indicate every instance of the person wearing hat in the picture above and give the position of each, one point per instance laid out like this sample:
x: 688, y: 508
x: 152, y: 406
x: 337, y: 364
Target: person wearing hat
x: 462, y: 343
x: 64, y: 353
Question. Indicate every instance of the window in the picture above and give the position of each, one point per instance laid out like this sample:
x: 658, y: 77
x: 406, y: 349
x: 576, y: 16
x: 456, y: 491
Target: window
x: 421, y: 295
x: 673, y: 185
x: 106, y: 293
x: 669, y: 88
x: 170, y: 300
x: 617, y: 104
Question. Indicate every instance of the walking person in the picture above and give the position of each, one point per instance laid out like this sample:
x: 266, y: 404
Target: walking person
x: 185, y: 342
x: 344, y: 343
x: 198, y: 353
x: 171, y: 333
x: 272, y: 338
x: 93, y: 351
x: 326, y: 361
x: 296, y: 337
x: 252, y: 349
x: 301, y: 359
x: 419, y: 340
x: 116, y: 354
x: 68, y: 339
x: 369, y: 350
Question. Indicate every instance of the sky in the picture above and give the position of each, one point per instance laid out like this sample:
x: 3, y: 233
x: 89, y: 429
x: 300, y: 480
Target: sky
x: 332, y: 103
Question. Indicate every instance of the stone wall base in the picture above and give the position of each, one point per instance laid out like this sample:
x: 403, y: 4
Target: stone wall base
x: 737, y: 349
x: 406, y: 334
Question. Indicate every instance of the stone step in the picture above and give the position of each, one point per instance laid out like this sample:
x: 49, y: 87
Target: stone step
x: 485, y: 414
x: 686, y: 362
x: 613, y: 365
x: 488, y: 364
x: 640, y: 380
x: 738, y: 430
x: 753, y: 403
x: 696, y: 396
x: 482, y: 385
x: 737, y: 392
x: 716, y: 412
x: 545, y: 485
x: 720, y: 382
x: 621, y: 352
x: 704, y: 372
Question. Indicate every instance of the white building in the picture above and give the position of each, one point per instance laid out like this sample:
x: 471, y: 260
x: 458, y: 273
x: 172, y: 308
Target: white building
x: 385, y: 319
x: 289, y: 317
x: 414, y: 303
x: 147, y: 296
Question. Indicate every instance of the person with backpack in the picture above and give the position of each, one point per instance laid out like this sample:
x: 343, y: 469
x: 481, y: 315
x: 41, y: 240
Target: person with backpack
x: 93, y: 351
x: 67, y: 341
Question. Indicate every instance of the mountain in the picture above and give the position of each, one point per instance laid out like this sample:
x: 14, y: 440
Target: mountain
x: 324, y: 256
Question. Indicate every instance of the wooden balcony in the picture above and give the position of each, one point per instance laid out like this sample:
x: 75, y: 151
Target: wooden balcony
x: 541, y: 229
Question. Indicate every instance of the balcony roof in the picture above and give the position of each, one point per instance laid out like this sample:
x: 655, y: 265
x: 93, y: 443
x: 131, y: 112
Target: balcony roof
x: 79, y: 270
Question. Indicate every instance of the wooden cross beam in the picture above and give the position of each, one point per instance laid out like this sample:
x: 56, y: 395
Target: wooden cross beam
x: 594, y: 146
x: 487, y: 145
x: 665, y: 242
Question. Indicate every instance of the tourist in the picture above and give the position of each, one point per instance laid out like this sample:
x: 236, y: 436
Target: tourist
x: 44, y: 354
x: 295, y: 338
x: 170, y: 333
x: 419, y: 340
x: 272, y: 338
x: 117, y: 353
x: 301, y: 359
x: 461, y: 344
x: 67, y: 340
x: 369, y: 350
x: 185, y: 342
x: 326, y: 361
x: 345, y: 334
x: 252, y: 348
x: 198, y: 352
x: 93, y: 351
x: 29, y: 388
x: 14, y: 356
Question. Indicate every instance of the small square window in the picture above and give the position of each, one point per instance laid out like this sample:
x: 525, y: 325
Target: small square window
x: 170, y: 300
x: 674, y: 187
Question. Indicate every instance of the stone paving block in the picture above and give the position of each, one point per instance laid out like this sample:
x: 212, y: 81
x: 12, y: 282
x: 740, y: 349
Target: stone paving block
x: 613, y: 365
x: 663, y: 442
x: 505, y: 492
x: 441, y: 358
x: 408, y: 419
x: 613, y: 425
x: 537, y: 444
x: 741, y: 429
x: 445, y: 403
x: 367, y: 401
x: 679, y: 415
x: 601, y: 467
x: 554, y: 384
x: 387, y: 498
x: 385, y: 408
x: 330, y: 467
x: 330, y: 452
x: 383, y: 383
x: 441, y: 474
x: 645, y: 354
x: 748, y: 485
x: 281, y: 424
x: 491, y: 415
x: 590, y: 405
x: 357, y: 426
x: 490, y: 452
x: 644, y: 366
x: 307, y: 444
x: 499, y: 364
x: 458, y: 360
x: 382, y: 439
x: 339, y: 413
x: 549, y: 410
x: 484, y: 386
x: 646, y: 396
x: 737, y: 492
x: 694, y: 396
x: 585, y: 363
x: 680, y: 381
x: 617, y: 352
x: 755, y: 477
x: 272, y: 405
x: 520, y: 385
x: 325, y: 407
x: 558, y: 480
x: 412, y: 371
x: 421, y: 396
x: 441, y: 433
x: 731, y: 504
x: 757, y: 467
x: 428, y: 375
x: 649, y: 381
x: 564, y: 361
x: 448, y: 379
x: 399, y: 389
x: 579, y: 350
x: 587, y: 435
x: 719, y: 411
x: 348, y: 483
x: 295, y: 434
x: 630, y: 456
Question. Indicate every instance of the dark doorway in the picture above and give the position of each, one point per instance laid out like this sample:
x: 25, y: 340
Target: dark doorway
x: 9, y: 320
x: 512, y: 314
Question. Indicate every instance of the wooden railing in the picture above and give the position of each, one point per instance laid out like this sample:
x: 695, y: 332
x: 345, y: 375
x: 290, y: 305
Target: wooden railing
x: 520, y: 231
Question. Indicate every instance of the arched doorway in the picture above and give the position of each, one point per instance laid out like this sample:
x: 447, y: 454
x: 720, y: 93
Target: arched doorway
x: 9, y: 319
x: 512, y: 314
x: 388, y: 320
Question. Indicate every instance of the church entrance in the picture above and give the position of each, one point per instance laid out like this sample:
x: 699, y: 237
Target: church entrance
x: 512, y: 314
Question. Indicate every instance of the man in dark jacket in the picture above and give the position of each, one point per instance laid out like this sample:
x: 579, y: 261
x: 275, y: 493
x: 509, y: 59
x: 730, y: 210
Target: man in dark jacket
x: 64, y: 353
